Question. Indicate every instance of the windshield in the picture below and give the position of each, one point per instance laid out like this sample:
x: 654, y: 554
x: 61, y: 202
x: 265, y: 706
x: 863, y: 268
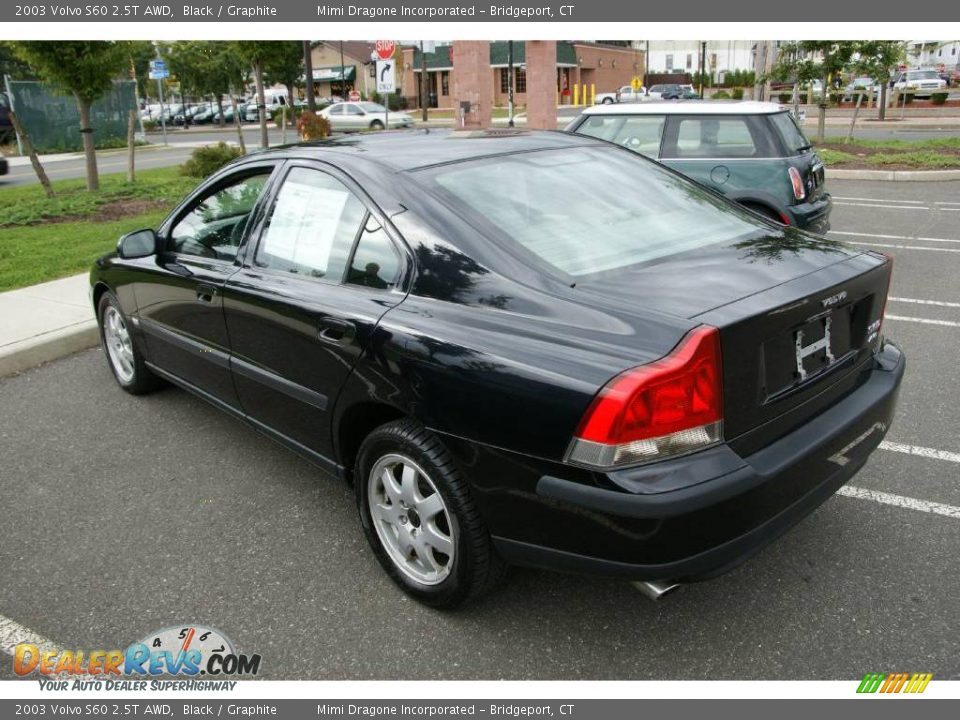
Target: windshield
x: 372, y: 107
x: 590, y: 209
x: 792, y: 136
x: 922, y: 75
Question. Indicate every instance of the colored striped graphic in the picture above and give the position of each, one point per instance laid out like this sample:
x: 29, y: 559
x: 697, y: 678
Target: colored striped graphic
x: 894, y: 682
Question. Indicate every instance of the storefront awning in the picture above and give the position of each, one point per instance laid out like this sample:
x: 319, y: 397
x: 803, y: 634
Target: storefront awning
x: 335, y: 73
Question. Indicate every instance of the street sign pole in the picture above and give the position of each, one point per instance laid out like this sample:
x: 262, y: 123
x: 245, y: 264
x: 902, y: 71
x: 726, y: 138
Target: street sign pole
x: 163, y: 121
x: 158, y: 71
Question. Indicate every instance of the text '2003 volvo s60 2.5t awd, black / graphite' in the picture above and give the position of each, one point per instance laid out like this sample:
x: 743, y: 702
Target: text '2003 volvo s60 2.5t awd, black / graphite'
x: 528, y: 348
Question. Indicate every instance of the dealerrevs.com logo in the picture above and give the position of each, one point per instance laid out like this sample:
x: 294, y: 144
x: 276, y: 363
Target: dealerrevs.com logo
x: 188, y: 651
x: 887, y: 683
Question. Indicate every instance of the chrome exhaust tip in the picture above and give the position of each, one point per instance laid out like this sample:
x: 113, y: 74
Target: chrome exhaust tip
x: 655, y: 589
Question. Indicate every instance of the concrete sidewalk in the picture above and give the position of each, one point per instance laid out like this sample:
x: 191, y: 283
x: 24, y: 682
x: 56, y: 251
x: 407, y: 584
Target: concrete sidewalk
x: 44, y: 322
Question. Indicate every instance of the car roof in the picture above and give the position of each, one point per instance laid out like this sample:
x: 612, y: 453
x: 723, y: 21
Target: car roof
x: 403, y: 150
x: 687, y: 107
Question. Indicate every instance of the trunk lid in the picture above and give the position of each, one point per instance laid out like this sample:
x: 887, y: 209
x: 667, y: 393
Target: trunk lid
x: 798, y: 316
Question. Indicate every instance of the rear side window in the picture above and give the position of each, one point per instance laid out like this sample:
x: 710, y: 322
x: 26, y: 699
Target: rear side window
x: 589, y: 209
x: 713, y: 137
x: 376, y: 263
x: 640, y: 133
x: 312, y: 225
x: 793, y: 138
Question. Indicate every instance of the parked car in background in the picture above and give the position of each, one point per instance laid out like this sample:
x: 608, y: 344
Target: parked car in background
x: 188, y: 114
x: 625, y: 94
x: 752, y: 152
x: 672, y: 92
x: 518, y: 347
x: 923, y: 83
x: 6, y: 126
x: 351, y: 117
x: 860, y: 84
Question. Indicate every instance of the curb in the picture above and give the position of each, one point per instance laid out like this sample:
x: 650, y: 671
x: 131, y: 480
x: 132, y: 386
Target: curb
x: 20, y: 356
x: 894, y: 175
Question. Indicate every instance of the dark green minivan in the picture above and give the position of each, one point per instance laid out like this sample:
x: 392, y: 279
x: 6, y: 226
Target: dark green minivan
x: 752, y: 152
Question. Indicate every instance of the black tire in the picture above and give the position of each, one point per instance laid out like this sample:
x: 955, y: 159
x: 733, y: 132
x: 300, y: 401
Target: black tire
x: 477, y: 568
x: 142, y: 380
x: 376, y: 125
x: 608, y: 101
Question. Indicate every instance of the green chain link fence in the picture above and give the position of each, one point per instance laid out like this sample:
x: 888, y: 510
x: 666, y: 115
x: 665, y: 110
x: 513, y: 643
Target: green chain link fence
x: 52, y: 120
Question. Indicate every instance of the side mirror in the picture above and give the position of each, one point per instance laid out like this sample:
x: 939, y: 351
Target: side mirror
x: 137, y: 244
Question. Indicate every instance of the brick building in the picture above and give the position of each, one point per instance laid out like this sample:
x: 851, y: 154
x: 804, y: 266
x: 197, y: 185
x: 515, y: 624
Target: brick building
x: 605, y: 66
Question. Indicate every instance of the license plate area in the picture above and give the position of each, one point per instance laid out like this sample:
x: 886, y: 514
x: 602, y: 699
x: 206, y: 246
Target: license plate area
x: 800, y: 355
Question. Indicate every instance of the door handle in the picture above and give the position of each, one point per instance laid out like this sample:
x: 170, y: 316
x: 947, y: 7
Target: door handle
x: 337, y: 332
x: 206, y: 293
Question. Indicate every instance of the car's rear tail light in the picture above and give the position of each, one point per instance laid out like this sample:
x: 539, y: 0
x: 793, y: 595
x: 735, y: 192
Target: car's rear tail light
x: 799, y: 192
x: 670, y: 407
x: 886, y: 295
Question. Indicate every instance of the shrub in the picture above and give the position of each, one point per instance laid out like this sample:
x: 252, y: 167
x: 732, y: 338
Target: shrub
x: 312, y: 127
x: 785, y: 97
x: 939, y: 98
x: 720, y: 95
x: 149, y: 125
x: 207, y: 160
x: 738, y: 93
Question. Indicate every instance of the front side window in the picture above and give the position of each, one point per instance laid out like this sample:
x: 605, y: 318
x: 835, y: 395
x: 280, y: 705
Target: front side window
x: 713, y: 137
x: 214, y: 227
x: 640, y: 133
x: 311, y: 227
x: 588, y: 210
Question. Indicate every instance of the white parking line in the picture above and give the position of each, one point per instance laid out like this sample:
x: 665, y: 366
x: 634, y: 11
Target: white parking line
x: 924, y: 452
x: 905, y: 247
x: 887, y: 207
x: 910, y: 503
x: 884, y: 200
x: 895, y: 237
x: 944, y: 202
x: 925, y: 321
x: 13, y: 633
x: 938, y: 303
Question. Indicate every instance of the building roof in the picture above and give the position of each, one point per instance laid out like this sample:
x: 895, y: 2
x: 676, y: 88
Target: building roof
x: 353, y: 49
x: 686, y: 107
x: 402, y: 150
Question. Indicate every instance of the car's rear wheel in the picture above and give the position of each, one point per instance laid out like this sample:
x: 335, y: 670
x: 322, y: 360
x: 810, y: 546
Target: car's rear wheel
x: 608, y: 101
x: 419, y: 518
x: 763, y: 210
x: 123, y: 356
x: 376, y: 125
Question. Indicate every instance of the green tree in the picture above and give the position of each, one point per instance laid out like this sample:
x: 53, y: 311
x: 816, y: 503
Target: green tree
x: 260, y: 56
x: 877, y: 59
x: 85, y: 69
x: 11, y: 65
x: 808, y: 60
x: 284, y: 64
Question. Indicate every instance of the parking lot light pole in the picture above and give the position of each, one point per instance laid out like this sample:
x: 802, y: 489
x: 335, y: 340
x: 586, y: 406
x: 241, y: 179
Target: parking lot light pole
x: 424, y: 85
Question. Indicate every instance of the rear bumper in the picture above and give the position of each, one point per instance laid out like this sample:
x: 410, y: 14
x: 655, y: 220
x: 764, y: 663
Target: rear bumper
x: 723, y: 507
x: 812, y: 216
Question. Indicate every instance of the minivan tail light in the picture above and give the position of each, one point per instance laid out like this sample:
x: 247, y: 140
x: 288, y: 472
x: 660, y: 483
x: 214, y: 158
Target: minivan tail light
x: 799, y: 192
x: 670, y: 407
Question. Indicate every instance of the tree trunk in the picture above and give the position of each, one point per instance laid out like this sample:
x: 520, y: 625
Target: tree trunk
x: 822, y: 115
x: 308, y: 76
x: 856, y: 111
x: 131, y: 145
x: 882, y: 102
x: 28, y: 149
x: 89, y: 150
x: 220, y: 121
x: 261, y: 104
x: 236, y: 122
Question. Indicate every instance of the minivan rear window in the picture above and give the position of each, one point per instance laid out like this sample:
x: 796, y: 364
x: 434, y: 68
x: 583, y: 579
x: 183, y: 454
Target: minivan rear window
x: 590, y: 209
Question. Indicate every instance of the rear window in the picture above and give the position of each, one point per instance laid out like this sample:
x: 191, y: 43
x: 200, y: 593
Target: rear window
x: 588, y: 210
x: 793, y: 138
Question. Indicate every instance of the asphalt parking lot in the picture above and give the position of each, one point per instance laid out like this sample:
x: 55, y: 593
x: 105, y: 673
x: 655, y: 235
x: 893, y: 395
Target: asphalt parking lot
x: 122, y: 515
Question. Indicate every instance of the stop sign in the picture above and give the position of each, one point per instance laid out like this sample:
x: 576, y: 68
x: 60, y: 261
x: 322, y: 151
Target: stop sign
x: 385, y: 49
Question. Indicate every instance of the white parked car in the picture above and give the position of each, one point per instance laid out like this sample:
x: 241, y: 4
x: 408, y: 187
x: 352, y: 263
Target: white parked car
x: 625, y: 94
x: 354, y: 116
x: 923, y: 83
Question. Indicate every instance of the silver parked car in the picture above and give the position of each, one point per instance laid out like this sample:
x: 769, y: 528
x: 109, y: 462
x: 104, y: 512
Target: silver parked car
x: 353, y: 116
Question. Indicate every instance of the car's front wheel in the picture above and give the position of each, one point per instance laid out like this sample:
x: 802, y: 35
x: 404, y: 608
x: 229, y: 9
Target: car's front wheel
x: 123, y: 356
x: 608, y: 101
x: 376, y: 125
x: 419, y: 518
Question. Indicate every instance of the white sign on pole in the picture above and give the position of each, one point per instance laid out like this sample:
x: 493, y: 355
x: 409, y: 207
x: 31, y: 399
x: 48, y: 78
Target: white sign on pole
x: 386, y: 76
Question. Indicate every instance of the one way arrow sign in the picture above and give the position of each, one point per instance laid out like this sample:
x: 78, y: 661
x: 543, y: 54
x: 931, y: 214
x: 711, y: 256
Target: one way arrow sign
x: 386, y: 76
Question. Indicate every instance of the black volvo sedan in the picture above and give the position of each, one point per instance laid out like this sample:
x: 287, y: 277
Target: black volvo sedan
x: 526, y: 348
